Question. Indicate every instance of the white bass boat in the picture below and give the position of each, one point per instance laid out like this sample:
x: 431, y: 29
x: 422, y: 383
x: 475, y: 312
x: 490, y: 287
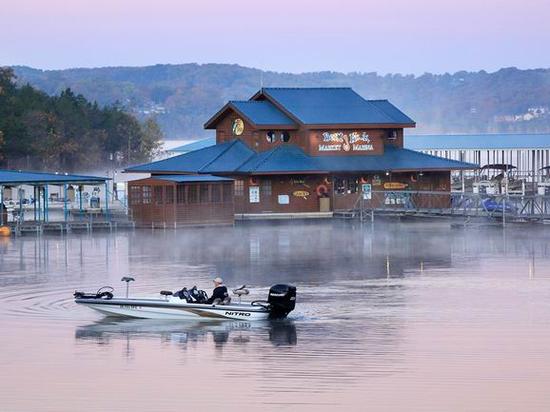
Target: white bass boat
x: 280, y: 302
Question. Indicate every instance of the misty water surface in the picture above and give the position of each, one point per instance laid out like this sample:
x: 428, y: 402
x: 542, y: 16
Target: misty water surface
x: 393, y: 316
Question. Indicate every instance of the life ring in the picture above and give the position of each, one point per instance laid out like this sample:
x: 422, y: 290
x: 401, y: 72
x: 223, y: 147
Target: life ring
x: 413, y: 178
x: 254, y: 181
x: 363, y: 180
x: 321, y: 190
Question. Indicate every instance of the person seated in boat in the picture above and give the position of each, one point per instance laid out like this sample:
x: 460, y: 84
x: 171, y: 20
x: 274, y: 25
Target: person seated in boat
x: 219, y: 294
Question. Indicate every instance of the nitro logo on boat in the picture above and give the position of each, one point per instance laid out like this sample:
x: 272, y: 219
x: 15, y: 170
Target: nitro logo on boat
x: 237, y: 314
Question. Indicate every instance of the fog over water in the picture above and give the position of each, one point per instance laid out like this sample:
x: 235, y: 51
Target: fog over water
x: 390, y: 316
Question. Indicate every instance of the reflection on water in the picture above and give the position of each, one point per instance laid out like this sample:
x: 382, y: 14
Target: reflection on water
x: 279, y: 332
x: 394, y: 316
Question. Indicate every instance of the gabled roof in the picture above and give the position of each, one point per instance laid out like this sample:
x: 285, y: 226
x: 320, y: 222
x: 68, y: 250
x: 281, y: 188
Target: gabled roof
x: 229, y: 154
x: 332, y: 105
x: 478, y: 141
x: 262, y: 113
x: 259, y: 113
x: 236, y: 158
x: 20, y: 177
x: 288, y: 107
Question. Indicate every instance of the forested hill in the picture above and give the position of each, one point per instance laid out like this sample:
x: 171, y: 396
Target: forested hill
x: 183, y: 97
x: 67, y: 132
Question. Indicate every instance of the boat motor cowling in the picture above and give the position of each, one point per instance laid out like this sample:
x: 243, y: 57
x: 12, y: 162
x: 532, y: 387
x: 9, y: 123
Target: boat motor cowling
x: 282, y: 300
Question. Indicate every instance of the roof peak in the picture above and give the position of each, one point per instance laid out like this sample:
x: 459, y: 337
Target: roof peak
x: 308, y: 88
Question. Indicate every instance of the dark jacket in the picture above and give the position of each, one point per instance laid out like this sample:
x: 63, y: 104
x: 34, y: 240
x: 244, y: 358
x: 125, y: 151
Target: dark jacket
x: 219, y: 293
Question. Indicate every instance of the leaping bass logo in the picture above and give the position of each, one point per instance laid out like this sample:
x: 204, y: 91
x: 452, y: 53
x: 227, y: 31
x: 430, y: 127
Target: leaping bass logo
x: 237, y: 314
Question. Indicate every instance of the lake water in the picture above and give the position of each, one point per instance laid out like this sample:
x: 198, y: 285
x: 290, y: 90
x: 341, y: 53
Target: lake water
x: 413, y: 316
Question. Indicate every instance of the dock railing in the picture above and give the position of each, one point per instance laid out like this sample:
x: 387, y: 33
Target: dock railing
x: 501, y: 206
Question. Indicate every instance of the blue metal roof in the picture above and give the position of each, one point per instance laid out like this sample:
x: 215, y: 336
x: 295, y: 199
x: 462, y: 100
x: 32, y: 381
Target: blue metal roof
x: 199, y: 144
x: 289, y: 158
x: 262, y: 113
x: 20, y: 177
x: 392, y: 111
x: 230, y: 155
x: 236, y: 157
x: 331, y: 105
x: 393, y: 159
x: 478, y: 141
x: 283, y: 158
x: 192, y: 178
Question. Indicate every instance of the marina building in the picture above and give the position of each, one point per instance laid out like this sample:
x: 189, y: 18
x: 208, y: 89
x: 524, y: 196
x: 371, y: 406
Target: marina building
x: 290, y: 152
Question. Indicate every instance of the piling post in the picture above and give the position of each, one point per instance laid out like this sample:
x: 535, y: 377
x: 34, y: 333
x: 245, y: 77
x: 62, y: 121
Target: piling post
x: 504, y: 211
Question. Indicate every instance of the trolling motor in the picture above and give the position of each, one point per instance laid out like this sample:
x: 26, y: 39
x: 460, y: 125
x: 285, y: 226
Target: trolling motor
x: 127, y: 279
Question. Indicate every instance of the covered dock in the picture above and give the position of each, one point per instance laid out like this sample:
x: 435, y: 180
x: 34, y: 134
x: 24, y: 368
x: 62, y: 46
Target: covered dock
x: 41, y: 210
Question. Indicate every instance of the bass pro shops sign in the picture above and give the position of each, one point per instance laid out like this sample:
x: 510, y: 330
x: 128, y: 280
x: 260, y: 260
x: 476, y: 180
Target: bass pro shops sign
x: 345, y: 142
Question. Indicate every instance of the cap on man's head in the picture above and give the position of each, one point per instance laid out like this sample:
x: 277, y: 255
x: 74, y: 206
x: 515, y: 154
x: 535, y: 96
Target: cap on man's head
x: 218, y: 280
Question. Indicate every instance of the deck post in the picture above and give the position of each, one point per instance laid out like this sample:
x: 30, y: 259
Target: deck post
x: 46, y: 204
x: 34, y: 201
x: 2, y: 205
x: 107, y: 200
x: 65, y: 211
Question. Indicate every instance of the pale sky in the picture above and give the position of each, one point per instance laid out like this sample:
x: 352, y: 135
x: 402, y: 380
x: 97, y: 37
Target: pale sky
x: 388, y: 36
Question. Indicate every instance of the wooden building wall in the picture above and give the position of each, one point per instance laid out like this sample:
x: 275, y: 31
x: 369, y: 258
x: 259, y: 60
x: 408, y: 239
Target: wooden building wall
x: 307, y: 139
x: 342, y: 190
x: 158, y: 202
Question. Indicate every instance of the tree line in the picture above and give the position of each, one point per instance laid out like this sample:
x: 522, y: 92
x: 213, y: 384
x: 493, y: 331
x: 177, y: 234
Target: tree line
x: 183, y: 97
x: 67, y: 132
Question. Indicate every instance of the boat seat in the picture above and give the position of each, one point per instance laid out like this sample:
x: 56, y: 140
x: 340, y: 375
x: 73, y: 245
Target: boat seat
x: 166, y: 293
x: 241, y: 291
x: 218, y: 301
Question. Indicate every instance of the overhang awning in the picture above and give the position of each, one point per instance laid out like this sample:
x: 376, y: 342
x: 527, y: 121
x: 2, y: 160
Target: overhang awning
x: 21, y: 177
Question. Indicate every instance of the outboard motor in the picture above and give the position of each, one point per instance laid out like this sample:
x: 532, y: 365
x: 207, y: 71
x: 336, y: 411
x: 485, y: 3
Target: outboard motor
x: 282, y: 300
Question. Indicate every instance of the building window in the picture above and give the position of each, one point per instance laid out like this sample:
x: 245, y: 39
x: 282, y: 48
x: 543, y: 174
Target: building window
x: 239, y: 188
x: 285, y: 137
x: 169, y: 195
x: 227, y: 193
x: 192, y: 194
x: 216, y: 193
x: 204, y: 193
x: 146, y: 192
x: 265, y: 187
x: 271, y: 136
x: 158, y: 195
x: 135, y: 195
x: 180, y: 194
x: 346, y: 186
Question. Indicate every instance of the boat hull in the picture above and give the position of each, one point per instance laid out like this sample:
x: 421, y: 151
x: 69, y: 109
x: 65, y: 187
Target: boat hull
x: 173, y: 309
